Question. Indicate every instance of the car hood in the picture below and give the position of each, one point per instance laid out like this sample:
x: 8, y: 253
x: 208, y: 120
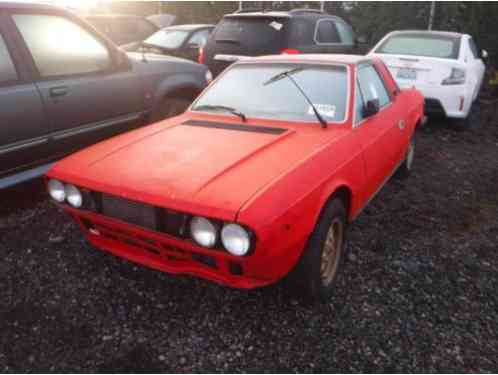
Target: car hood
x: 203, y: 167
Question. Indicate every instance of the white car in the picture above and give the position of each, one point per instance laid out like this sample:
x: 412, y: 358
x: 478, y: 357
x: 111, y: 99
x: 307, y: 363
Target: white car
x: 446, y: 67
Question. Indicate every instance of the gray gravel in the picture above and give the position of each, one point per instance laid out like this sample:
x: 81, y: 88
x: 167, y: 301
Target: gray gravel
x: 419, y: 292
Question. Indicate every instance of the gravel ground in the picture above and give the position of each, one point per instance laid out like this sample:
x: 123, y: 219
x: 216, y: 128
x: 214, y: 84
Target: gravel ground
x: 418, y: 294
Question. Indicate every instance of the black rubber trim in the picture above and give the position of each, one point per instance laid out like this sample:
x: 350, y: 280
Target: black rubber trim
x: 235, y: 127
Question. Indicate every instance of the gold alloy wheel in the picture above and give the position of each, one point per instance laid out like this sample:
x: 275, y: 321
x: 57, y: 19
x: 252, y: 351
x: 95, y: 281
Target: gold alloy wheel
x: 331, y: 253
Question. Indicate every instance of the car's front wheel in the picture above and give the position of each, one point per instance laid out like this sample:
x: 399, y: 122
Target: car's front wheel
x: 316, y: 272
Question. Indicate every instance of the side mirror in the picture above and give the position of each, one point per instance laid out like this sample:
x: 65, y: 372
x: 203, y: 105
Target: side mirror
x: 371, y: 108
x: 362, y: 39
x: 484, y: 54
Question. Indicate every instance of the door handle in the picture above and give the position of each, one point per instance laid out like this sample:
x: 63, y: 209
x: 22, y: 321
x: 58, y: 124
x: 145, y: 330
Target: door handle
x: 58, y: 91
x: 401, y: 124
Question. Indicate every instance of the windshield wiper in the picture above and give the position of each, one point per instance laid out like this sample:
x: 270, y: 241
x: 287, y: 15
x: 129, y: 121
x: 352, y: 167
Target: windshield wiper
x: 282, y: 75
x: 233, y: 111
x: 288, y: 74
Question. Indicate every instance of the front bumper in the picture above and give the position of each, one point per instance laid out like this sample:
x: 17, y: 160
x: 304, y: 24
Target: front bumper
x: 172, y: 255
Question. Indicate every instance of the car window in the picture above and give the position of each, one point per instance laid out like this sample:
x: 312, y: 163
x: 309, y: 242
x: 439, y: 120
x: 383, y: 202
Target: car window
x: 200, y: 37
x: 264, y: 32
x: 371, y: 85
x: 359, y: 104
x: 473, y: 48
x: 167, y: 38
x: 7, y: 69
x: 430, y: 45
x: 61, y: 47
x: 326, y: 32
x: 260, y: 97
x: 345, y: 32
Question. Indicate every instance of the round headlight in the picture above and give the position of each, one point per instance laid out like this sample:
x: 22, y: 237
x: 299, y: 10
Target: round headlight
x: 73, y: 196
x: 235, y: 239
x: 203, y: 231
x: 56, y: 190
x: 209, y: 76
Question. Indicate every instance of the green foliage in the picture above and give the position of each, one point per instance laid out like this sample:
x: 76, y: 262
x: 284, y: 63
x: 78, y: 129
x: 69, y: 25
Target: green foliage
x: 199, y: 11
x: 373, y: 19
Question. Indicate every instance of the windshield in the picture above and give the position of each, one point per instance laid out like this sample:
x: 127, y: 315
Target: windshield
x: 446, y: 47
x: 262, y: 97
x: 167, y: 38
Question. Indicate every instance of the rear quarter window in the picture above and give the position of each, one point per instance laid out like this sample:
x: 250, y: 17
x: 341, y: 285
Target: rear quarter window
x: 345, y: 32
x: 326, y: 32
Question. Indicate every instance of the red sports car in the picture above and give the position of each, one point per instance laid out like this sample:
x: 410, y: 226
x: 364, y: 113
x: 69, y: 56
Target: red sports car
x: 257, y: 180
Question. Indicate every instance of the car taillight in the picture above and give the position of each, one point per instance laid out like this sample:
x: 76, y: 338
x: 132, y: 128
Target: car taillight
x: 202, y: 57
x: 290, y: 51
x: 457, y: 77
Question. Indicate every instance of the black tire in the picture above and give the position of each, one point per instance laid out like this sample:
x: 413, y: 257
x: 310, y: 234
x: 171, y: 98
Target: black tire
x: 472, y: 120
x: 406, y: 167
x: 308, y: 278
x: 170, y: 107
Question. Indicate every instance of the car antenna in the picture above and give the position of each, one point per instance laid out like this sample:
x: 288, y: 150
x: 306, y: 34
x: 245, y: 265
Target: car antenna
x: 287, y: 74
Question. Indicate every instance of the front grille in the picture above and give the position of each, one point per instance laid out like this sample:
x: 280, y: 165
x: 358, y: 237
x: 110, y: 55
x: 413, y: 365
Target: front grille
x: 130, y: 212
x: 144, y: 215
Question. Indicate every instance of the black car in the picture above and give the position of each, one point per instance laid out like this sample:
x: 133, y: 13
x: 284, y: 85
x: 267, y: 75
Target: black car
x: 123, y: 29
x: 274, y: 32
x: 181, y: 41
x: 64, y: 86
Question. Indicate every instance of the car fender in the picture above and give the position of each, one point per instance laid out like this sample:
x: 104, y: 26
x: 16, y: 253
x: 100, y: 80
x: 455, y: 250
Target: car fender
x: 176, y: 84
x: 333, y: 189
x: 283, y: 229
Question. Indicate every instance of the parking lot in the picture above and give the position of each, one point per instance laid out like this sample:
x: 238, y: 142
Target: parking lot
x: 418, y: 293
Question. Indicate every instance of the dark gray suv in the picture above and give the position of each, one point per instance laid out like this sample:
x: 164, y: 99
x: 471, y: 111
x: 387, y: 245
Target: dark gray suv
x: 299, y: 31
x: 64, y: 86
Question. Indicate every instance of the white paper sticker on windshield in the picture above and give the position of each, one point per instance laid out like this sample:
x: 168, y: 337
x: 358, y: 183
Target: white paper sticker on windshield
x: 277, y: 26
x: 324, y: 109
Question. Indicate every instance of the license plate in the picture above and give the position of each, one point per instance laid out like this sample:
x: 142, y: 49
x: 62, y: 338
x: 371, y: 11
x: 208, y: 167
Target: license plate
x: 407, y: 73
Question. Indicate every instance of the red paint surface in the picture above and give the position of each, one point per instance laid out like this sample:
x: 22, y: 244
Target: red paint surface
x: 274, y: 184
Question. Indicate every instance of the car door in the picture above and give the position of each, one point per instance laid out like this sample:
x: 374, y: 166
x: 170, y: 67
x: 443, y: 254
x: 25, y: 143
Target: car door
x: 381, y: 134
x: 87, y: 96
x: 23, y: 124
